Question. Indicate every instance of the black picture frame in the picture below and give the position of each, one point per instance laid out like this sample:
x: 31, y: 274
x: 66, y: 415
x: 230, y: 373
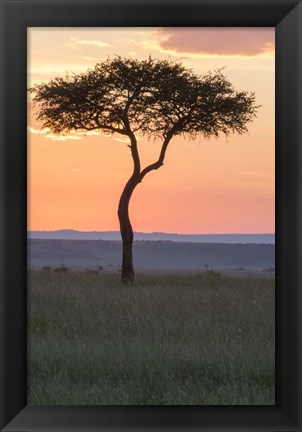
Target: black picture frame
x: 16, y: 16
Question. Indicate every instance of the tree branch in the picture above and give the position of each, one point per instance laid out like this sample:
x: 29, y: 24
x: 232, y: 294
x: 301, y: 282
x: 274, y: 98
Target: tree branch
x: 160, y: 161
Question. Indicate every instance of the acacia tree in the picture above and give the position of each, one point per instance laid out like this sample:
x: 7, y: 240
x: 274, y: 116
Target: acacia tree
x: 157, y: 98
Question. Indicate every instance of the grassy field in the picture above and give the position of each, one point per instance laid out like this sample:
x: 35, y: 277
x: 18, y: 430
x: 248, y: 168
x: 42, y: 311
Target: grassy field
x: 203, y: 339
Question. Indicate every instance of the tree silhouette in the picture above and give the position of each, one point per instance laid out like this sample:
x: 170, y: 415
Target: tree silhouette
x: 156, y: 98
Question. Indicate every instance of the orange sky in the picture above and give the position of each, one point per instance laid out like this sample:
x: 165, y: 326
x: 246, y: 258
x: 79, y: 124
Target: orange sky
x: 206, y: 186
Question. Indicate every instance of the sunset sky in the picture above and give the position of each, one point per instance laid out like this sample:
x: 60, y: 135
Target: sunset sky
x: 224, y: 185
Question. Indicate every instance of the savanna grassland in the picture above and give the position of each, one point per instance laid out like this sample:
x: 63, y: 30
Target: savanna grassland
x: 185, y: 339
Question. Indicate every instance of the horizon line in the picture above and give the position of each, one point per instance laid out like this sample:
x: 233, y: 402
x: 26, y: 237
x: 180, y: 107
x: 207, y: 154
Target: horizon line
x: 151, y: 232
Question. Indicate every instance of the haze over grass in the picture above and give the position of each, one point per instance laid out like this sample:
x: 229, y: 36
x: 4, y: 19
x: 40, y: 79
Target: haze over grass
x: 204, y: 339
x: 151, y: 255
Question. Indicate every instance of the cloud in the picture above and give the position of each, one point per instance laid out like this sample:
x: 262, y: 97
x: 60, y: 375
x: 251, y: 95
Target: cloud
x: 51, y: 136
x: 123, y: 140
x: 37, y: 131
x: 245, y: 41
x: 74, y: 136
x: 93, y: 42
x: 93, y: 132
x: 54, y: 137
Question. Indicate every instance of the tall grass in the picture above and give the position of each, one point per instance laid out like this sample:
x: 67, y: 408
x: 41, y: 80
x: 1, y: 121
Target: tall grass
x: 205, y: 339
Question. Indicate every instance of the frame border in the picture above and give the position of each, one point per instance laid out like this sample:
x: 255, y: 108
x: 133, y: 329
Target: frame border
x: 16, y: 16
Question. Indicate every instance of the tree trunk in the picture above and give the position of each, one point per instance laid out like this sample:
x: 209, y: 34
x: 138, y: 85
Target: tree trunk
x: 127, y: 276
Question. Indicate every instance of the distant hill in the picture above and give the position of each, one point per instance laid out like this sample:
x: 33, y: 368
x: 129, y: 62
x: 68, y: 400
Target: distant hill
x: 154, y: 236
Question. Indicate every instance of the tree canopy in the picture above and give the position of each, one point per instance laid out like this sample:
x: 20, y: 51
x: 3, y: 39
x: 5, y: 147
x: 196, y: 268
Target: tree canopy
x: 154, y: 97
